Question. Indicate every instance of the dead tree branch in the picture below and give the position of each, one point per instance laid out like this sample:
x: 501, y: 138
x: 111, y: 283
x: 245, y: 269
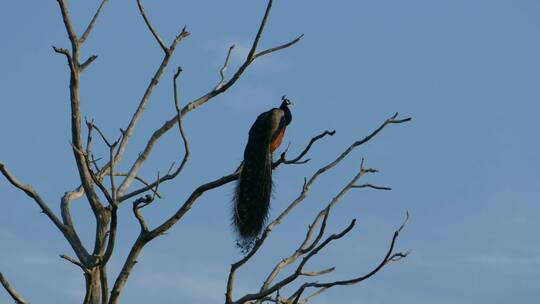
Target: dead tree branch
x: 147, y: 186
x: 390, y: 256
x: 92, y: 23
x: 185, y: 158
x: 113, y: 207
x: 180, y: 127
x: 298, y: 159
x: 74, y: 262
x: 144, y: 100
x: 224, y: 68
x: 372, y: 187
x: 296, y: 274
x: 66, y: 53
x: 12, y: 292
x: 277, y: 48
x: 87, y: 177
x: 87, y: 62
x: 305, y: 190
x: 29, y: 190
x: 306, y: 248
x: 147, y: 235
x: 322, y: 216
x: 67, y: 23
x: 76, y: 139
x: 196, y: 103
x: 66, y: 229
x: 151, y: 28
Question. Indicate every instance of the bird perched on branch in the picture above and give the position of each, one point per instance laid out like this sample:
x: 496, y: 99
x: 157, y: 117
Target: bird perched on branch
x: 252, y: 197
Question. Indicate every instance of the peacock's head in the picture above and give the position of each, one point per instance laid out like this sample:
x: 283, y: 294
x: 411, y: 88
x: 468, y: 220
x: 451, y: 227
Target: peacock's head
x: 285, y: 102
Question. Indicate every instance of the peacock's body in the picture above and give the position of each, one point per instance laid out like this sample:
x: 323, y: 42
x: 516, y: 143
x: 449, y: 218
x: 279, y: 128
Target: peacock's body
x: 254, y: 188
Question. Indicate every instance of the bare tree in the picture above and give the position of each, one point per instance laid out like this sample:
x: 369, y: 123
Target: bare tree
x: 106, y: 189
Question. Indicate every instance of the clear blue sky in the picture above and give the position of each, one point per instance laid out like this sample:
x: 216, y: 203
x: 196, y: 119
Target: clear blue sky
x: 466, y: 168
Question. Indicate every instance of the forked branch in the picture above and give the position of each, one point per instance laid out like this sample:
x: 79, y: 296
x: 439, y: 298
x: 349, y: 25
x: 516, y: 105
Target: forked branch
x: 298, y: 159
x: 289, y: 279
x: 390, y: 256
x: 170, y: 175
x: 147, y: 235
x: 144, y: 100
x: 221, y: 87
x: 305, y: 190
x: 305, y: 247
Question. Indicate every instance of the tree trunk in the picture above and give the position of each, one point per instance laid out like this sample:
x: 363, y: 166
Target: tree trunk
x: 93, y: 287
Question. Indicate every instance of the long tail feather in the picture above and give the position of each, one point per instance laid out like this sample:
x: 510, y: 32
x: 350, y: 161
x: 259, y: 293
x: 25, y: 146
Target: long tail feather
x: 254, y: 188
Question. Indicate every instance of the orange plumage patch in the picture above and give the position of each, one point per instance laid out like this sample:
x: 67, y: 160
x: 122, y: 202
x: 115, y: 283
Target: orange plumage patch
x: 277, y: 140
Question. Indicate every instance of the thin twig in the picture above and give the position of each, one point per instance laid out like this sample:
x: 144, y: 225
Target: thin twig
x: 180, y: 126
x: 224, y: 68
x: 322, y: 217
x: 68, y: 23
x: 318, y: 273
x: 151, y: 28
x: 112, y: 235
x: 89, y: 138
x: 297, y: 159
x: 279, y: 47
x: 29, y: 190
x: 94, y: 177
x: 144, y: 182
x: 147, y: 199
x: 113, y: 205
x: 294, y: 276
x: 66, y: 53
x: 87, y: 62
x: 103, y: 137
x: 12, y: 292
x: 316, y: 293
x: 372, y: 187
x: 389, y: 257
x: 75, y: 262
x: 302, y: 249
x: 136, y: 116
x: 185, y: 141
x: 71, y: 234
x: 298, y: 296
x: 259, y: 32
x: 92, y: 23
